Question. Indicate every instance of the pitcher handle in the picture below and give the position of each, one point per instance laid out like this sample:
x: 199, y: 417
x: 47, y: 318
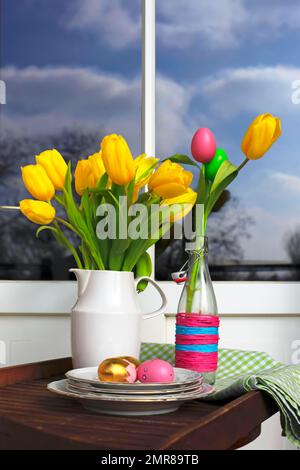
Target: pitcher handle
x: 163, y: 306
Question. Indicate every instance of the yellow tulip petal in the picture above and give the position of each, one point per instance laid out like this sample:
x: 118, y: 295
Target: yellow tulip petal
x: 169, y: 190
x: 55, y: 167
x: 38, y: 212
x: 260, y: 136
x: 278, y: 130
x: 187, y: 177
x: 170, y: 180
x: 189, y: 197
x: 37, y: 182
x: 117, y: 159
x: 181, y: 205
x: 144, y: 168
x: 84, y: 176
x: 97, y: 165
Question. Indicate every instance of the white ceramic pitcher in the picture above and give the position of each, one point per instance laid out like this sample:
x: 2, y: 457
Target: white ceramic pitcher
x: 106, y: 319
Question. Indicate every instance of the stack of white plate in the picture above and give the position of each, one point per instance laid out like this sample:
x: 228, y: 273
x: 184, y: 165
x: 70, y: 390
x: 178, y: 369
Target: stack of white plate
x: 130, y: 399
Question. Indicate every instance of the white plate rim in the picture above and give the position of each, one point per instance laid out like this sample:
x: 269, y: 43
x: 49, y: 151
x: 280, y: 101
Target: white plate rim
x: 194, y: 377
x: 53, y: 387
x: 85, y: 388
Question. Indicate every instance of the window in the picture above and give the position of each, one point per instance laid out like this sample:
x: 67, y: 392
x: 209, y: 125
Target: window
x: 72, y: 73
x: 219, y: 64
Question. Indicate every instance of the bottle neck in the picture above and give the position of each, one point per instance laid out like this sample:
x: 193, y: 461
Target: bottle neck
x: 198, y: 295
x: 198, y: 256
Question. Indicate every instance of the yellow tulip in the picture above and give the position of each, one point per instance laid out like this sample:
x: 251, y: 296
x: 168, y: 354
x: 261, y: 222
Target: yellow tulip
x: 38, y: 212
x: 37, y: 182
x: 84, y: 176
x: 184, y: 204
x: 261, y: 135
x: 117, y: 159
x: 55, y: 167
x: 97, y: 165
x: 170, y: 180
x: 180, y: 205
x: 189, y: 197
x: 144, y: 168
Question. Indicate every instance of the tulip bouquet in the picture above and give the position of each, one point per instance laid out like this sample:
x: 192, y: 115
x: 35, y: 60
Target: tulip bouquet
x: 77, y: 206
x: 113, y: 178
x: 217, y: 172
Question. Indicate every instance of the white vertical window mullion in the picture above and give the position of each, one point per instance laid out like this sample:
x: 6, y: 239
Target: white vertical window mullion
x: 148, y: 85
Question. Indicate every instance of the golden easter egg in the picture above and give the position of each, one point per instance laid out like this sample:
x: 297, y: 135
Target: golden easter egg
x: 117, y: 370
x: 132, y: 359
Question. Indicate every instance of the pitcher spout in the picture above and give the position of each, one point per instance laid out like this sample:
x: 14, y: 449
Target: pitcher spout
x: 82, y: 276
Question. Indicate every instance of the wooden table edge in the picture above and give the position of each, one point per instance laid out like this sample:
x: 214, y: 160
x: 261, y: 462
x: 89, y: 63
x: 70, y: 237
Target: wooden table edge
x: 256, y: 405
x: 36, y: 370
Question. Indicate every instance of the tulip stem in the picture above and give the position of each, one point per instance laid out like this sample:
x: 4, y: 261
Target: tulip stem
x: 59, y: 199
x: 243, y: 164
x: 66, y: 242
x: 14, y: 208
x: 67, y: 224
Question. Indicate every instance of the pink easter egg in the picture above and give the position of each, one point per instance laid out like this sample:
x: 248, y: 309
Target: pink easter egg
x: 155, y: 371
x: 203, y: 145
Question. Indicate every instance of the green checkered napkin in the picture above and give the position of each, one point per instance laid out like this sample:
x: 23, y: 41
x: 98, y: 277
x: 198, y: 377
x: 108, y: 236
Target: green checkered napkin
x: 241, y: 371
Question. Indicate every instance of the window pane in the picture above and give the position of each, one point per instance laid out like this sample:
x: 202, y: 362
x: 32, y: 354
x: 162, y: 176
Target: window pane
x: 220, y: 63
x: 72, y: 74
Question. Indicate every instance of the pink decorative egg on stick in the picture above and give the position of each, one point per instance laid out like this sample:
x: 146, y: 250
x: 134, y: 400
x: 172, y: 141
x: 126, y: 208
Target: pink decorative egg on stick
x: 155, y: 371
x: 203, y: 145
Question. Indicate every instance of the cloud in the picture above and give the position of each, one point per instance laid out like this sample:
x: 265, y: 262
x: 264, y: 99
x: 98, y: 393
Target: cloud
x: 51, y: 97
x: 268, y: 235
x: 114, y: 21
x: 47, y: 99
x: 287, y: 182
x: 273, y: 16
x: 224, y: 24
x: 251, y: 90
x: 180, y: 24
x: 174, y: 122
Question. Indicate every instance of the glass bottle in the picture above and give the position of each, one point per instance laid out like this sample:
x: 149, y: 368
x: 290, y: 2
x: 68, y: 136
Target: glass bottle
x: 197, y: 317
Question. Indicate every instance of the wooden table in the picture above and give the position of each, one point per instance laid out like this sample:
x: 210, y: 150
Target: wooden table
x: 33, y: 418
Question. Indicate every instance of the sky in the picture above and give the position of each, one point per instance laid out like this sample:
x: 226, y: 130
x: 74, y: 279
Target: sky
x: 219, y: 64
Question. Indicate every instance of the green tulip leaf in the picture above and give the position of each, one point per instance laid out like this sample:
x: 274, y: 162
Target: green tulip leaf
x: 89, y: 211
x: 225, y: 175
x: 143, y: 198
x: 78, y: 221
x: 143, y: 268
x: 120, y: 246
x: 130, y: 191
x: 225, y: 170
x: 140, y: 246
x: 44, y: 227
x: 102, y: 183
x: 184, y: 159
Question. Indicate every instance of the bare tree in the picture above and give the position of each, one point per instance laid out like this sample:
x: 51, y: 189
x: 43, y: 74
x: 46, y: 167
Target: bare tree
x: 292, y: 245
x: 18, y: 243
x: 227, y: 228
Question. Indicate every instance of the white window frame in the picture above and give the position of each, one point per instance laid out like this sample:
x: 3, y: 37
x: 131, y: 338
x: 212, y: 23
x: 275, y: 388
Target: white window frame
x: 234, y: 298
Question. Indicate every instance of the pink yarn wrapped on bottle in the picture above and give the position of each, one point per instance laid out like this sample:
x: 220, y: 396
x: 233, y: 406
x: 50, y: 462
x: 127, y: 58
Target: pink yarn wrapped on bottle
x: 197, y: 342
